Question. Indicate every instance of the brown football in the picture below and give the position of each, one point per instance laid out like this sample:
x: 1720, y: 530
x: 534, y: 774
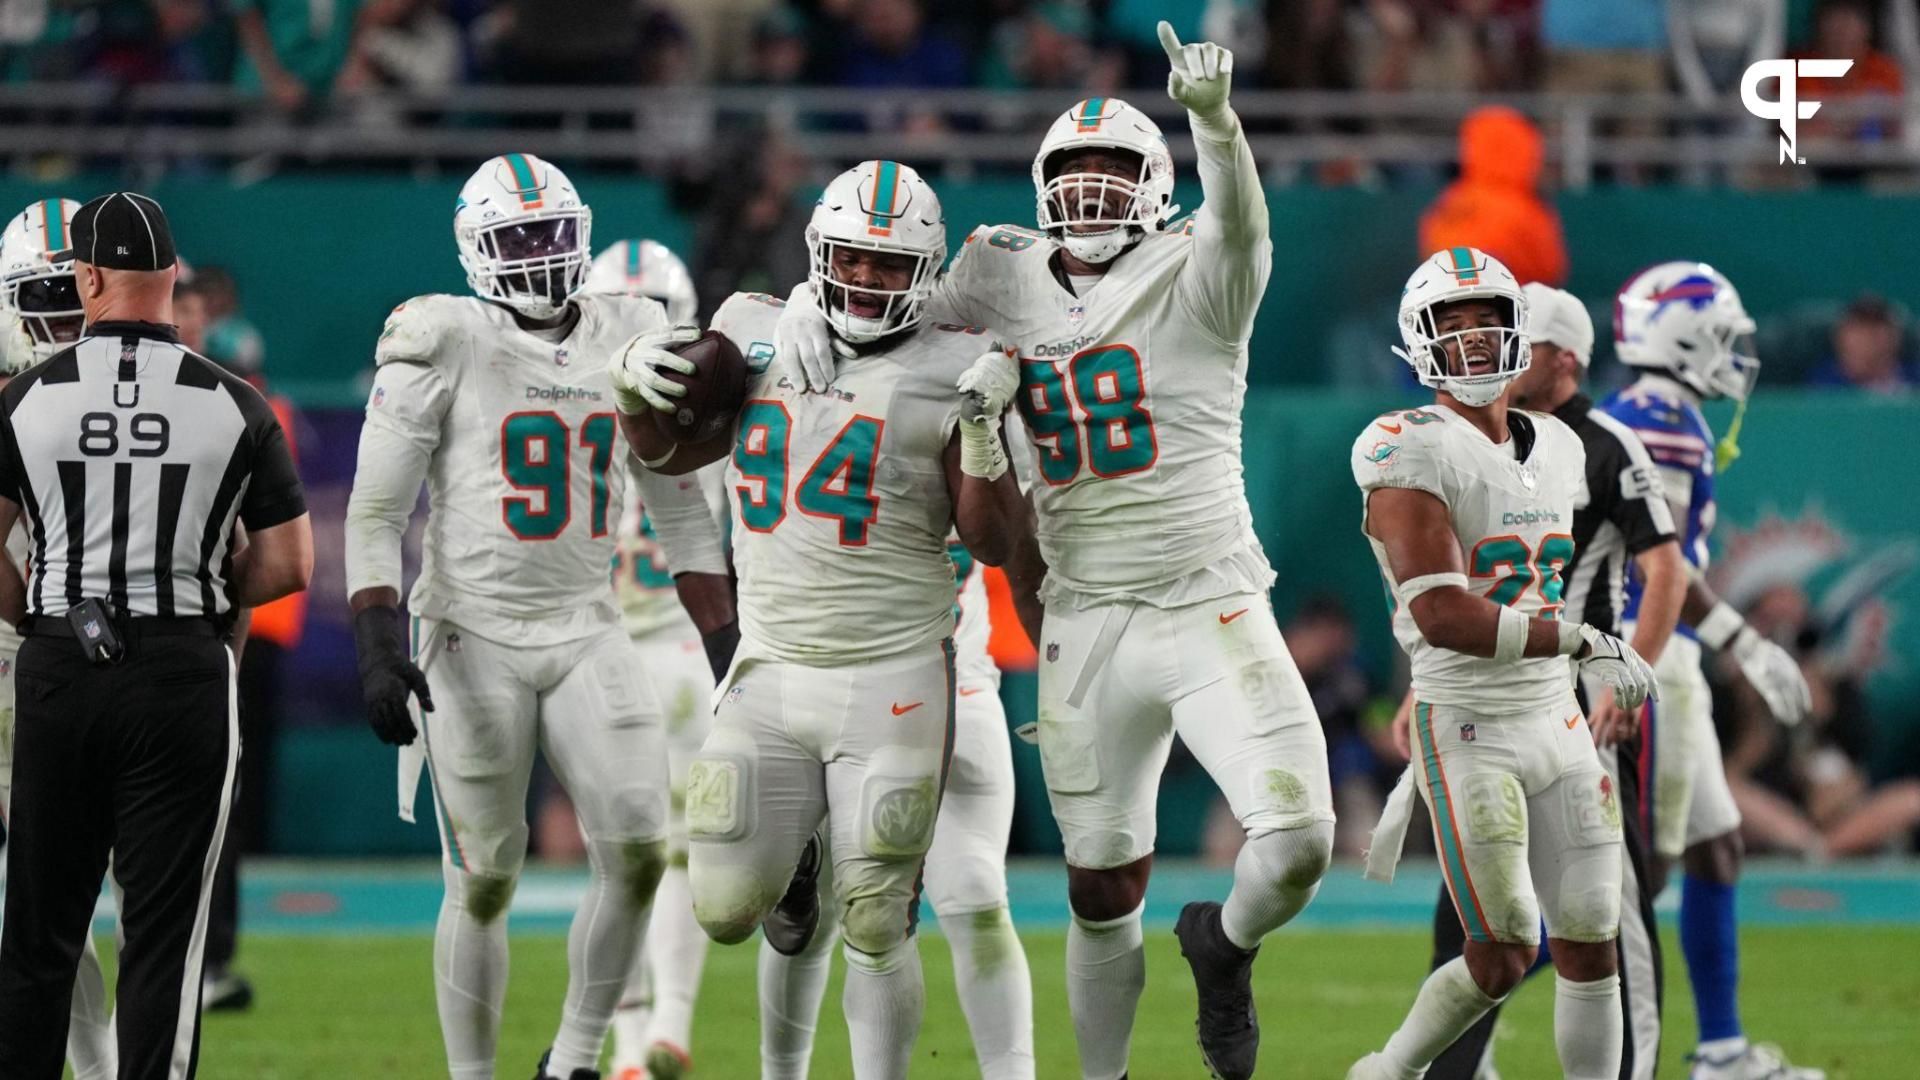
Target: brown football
x: 715, y: 390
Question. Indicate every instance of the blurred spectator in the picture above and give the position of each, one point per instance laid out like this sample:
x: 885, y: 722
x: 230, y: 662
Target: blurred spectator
x: 1809, y: 789
x: 1456, y: 45
x: 717, y: 49
x: 1617, y: 47
x: 1715, y: 41
x: 780, y: 49
x: 291, y: 50
x: 1320, y: 638
x: 1867, y: 347
x: 149, y: 42
x: 231, y: 339
x: 751, y: 235
x: 1134, y: 26
x: 190, y: 316
x: 892, y: 46
x: 1496, y: 205
x: 1843, y: 29
x: 1050, y: 47
x: 1308, y: 47
x: 562, y: 42
x: 403, y: 45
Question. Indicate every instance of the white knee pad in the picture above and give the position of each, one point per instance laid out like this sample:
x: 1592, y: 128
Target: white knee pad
x: 1294, y: 858
x: 484, y: 897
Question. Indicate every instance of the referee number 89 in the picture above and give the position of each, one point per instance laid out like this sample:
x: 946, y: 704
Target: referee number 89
x: 149, y: 433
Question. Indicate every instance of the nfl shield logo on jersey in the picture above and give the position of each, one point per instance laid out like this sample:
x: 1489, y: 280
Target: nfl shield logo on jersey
x: 1466, y: 733
x: 560, y: 357
x: 1053, y: 651
x: 1076, y: 312
x: 453, y: 642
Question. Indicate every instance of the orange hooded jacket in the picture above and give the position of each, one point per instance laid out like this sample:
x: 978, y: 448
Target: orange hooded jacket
x: 1495, y: 205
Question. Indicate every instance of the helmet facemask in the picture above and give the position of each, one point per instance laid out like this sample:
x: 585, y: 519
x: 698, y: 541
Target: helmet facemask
x: 1097, y: 215
x: 1732, y: 365
x: 531, y: 263
x: 859, y: 308
x: 1472, y: 364
x: 48, y: 301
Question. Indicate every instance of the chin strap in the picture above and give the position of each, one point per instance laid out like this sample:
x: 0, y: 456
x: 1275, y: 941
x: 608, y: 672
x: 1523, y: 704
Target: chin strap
x: 1727, y: 451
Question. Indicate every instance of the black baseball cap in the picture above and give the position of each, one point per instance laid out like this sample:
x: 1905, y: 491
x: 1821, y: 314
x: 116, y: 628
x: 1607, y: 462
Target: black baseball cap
x: 122, y: 231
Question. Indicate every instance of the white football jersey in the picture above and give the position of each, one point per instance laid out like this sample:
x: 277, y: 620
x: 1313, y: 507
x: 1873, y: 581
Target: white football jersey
x: 972, y: 626
x: 840, y: 502
x: 1131, y: 394
x: 526, y: 475
x: 649, y: 604
x: 1514, y: 521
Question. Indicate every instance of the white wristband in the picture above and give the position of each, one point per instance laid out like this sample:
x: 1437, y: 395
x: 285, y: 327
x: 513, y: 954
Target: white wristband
x: 1425, y: 583
x: 1510, y: 643
x: 1571, y: 639
x: 980, y: 452
x: 659, y: 461
x: 1719, y: 626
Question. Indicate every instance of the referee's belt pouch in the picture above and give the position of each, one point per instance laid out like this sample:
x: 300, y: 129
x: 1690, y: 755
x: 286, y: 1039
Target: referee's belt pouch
x: 94, y: 629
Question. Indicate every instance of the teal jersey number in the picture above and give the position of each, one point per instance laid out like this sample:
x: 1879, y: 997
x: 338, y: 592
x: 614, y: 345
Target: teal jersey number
x: 760, y: 457
x: 840, y: 484
x: 1113, y: 434
x: 649, y: 568
x: 1519, y: 568
x: 534, y: 448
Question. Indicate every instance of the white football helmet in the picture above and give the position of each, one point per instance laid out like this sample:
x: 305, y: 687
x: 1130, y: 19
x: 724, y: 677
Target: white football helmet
x: 1685, y: 318
x: 1452, y: 275
x: 523, y: 234
x: 876, y: 206
x: 645, y: 268
x: 1094, y: 215
x: 36, y: 276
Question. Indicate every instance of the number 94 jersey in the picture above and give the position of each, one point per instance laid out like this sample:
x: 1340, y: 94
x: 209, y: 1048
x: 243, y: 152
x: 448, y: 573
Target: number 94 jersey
x: 522, y: 459
x: 1512, y: 508
x: 840, y: 500
x: 1132, y: 392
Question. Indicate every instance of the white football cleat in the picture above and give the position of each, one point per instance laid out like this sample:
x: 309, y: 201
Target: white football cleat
x: 1371, y: 1067
x: 1760, y: 1061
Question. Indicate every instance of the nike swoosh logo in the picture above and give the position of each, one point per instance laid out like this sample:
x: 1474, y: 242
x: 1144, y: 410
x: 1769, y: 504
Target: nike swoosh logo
x: 1572, y: 720
x: 902, y: 710
x: 1225, y: 619
x: 969, y: 691
x: 1393, y: 429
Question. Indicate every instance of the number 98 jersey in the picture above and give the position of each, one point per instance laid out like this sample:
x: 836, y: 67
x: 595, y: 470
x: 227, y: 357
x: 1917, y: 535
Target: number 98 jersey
x: 1512, y: 509
x: 840, y: 503
x: 522, y: 460
x: 1132, y: 389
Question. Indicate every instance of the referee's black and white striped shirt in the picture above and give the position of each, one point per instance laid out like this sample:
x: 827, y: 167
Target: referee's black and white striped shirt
x: 1625, y: 514
x: 130, y: 457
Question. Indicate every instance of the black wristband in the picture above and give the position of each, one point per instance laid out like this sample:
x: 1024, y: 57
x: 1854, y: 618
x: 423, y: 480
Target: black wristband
x: 720, y: 644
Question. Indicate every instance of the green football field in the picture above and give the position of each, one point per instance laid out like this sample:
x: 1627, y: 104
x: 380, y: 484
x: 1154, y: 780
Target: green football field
x: 362, y: 1006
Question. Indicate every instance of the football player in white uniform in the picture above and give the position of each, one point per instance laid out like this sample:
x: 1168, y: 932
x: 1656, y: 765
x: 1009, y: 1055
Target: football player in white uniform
x: 40, y: 314
x: 653, y: 1027
x: 840, y: 702
x: 966, y: 882
x: 1468, y: 506
x: 501, y: 404
x: 1132, y: 332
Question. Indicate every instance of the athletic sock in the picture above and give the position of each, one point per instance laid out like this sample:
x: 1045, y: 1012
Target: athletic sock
x: 791, y: 989
x: 634, y: 1015
x: 470, y: 969
x: 1587, y: 1027
x: 600, y: 947
x: 677, y: 955
x: 1710, y: 940
x: 1274, y: 876
x: 1448, y: 1005
x: 883, y: 1000
x: 1106, y: 971
x: 996, y: 991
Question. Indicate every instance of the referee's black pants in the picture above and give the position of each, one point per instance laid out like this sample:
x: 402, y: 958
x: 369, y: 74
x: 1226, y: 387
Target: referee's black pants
x: 135, y: 761
x: 1638, y: 948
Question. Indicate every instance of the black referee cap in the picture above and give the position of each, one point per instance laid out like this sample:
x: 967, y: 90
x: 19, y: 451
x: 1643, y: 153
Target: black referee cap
x: 122, y: 231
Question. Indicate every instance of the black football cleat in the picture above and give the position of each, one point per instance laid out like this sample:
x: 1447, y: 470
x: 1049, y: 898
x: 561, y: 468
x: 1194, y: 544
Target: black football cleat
x: 541, y: 1073
x: 224, y: 991
x: 1223, y: 974
x: 791, y: 924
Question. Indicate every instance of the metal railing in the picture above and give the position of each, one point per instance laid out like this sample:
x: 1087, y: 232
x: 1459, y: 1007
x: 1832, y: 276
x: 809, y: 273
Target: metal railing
x: 954, y: 132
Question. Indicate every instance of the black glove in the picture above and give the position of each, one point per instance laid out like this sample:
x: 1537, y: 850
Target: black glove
x: 386, y: 675
x: 720, y: 645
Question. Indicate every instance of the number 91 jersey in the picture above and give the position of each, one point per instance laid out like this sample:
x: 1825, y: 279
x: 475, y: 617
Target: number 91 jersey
x: 840, y: 500
x: 1513, y: 517
x: 1132, y: 392
x: 524, y: 483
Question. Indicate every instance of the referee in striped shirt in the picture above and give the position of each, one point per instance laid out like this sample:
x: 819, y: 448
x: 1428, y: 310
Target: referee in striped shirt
x: 128, y: 459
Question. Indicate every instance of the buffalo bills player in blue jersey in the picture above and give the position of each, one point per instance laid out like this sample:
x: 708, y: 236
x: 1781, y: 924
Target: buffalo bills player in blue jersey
x: 1683, y: 326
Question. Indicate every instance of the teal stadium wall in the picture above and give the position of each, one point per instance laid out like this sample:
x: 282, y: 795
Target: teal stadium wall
x: 321, y: 260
